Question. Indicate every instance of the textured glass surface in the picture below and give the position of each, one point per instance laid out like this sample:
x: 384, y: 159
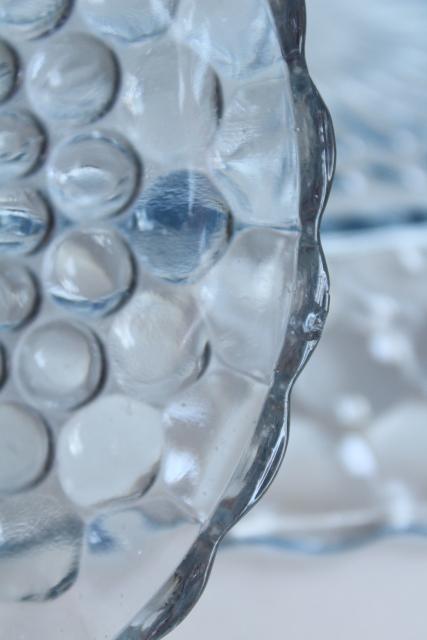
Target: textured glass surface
x: 163, y: 168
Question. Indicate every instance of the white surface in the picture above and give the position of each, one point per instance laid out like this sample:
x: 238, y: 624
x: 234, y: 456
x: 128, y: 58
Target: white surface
x: 373, y: 593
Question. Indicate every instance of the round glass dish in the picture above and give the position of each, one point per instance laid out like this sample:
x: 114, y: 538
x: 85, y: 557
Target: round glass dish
x: 169, y: 227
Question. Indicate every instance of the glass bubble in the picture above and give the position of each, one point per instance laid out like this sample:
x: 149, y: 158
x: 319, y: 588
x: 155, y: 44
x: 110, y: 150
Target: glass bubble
x: 128, y: 20
x: 8, y: 71
x: 73, y: 79
x: 21, y: 144
x: 181, y: 226
x: 89, y: 271
x: 247, y: 290
x: 206, y: 427
x: 171, y: 103
x: 92, y: 176
x: 24, y: 220
x: 41, y: 532
x: 109, y: 450
x: 59, y: 364
x: 157, y: 345
x: 24, y: 448
x: 18, y: 295
x: 33, y: 18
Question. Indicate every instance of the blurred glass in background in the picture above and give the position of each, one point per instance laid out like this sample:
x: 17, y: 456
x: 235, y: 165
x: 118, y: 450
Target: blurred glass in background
x: 356, y: 463
x: 355, y: 470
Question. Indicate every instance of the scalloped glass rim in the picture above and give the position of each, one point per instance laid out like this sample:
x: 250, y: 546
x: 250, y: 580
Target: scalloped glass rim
x: 309, y: 309
x: 334, y: 530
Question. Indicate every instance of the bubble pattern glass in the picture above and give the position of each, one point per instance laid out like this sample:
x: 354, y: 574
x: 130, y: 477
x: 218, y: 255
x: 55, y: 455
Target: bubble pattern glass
x: 162, y: 175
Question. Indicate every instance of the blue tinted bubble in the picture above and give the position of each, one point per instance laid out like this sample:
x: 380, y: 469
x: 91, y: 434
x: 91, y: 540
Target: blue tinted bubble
x: 24, y: 220
x: 180, y: 227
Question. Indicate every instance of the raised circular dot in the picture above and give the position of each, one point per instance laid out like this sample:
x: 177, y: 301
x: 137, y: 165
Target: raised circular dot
x: 170, y: 103
x: 18, y: 295
x: 59, y: 364
x: 245, y: 300
x: 33, y: 18
x: 73, y: 79
x: 109, y: 450
x: 129, y: 20
x: 8, y: 71
x: 157, y: 345
x: 180, y: 226
x: 40, y: 549
x: 24, y: 220
x: 89, y: 271
x: 92, y: 176
x: 21, y: 144
x: 24, y: 448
